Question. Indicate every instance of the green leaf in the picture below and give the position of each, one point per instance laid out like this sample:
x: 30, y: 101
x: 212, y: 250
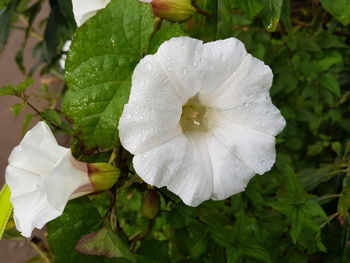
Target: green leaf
x: 5, y: 21
x: 5, y: 208
x: 340, y: 9
x: 330, y: 82
x: 250, y: 7
x: 165, y: 33
x: 104, y: 242
x: 27, y: 119
x: 7, y: 90
x: 80, y: 217
x: 271, y: 14
x: 16, y: 109
x: 103, y: 55
x: 257, y: 252
x: 60, y: 26
x: 52, y: 116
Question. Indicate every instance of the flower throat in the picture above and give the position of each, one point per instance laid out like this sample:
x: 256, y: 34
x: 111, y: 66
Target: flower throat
x: 193, y: 117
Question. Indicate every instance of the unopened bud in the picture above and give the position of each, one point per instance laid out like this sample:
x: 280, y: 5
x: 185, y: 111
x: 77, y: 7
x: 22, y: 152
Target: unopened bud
x: 150, y: 204
x: 102, y: 175
x: 173, y: 10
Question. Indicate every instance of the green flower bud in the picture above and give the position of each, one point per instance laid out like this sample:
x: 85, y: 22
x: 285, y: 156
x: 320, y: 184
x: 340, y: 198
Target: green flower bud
x: 102, y: 175
x: 173, y: 10
x: 150, y: 204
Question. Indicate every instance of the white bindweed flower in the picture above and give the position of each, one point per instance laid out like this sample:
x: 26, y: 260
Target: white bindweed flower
x: 200, y: 120
x: 43, y: 176
x: 85, y: 9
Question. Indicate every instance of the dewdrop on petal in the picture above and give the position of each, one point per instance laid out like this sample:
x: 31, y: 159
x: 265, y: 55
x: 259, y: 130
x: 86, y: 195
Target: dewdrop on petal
x: 200, y: 120
x: 43, y: 176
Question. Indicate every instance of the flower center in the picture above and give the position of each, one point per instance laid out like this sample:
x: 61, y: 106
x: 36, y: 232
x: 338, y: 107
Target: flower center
x: 193, y: 117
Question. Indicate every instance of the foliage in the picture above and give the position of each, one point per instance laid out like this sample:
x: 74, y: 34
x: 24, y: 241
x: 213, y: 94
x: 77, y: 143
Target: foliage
x: 297, y: 212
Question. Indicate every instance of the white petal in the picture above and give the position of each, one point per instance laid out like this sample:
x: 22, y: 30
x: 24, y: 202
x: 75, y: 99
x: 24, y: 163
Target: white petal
x: 181, y: 59
x: 28, y: 196
x: 193, y: 182
x: 180, y: 164
x: 85, y: 9
x: 244, y: 98
x: 38, y: 151
x: 254, y: 149
x: 62, y: 181
x: 221, y: 59
x: 230, y: 175
x: 41, y: 179
x: 158, y: 165
x: 151, y: 112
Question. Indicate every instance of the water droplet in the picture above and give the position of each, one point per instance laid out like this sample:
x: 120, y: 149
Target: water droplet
x: 194, y: 64
x: 246, y: 105
x: 185, y: 71
x: 223, y: 57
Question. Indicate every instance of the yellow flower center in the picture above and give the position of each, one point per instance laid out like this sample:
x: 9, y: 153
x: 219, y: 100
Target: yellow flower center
x: 193, y: 117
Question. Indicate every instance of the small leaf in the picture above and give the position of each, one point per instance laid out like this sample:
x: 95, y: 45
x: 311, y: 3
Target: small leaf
x: 330, y: 82
x: 5, y: 208
x: 104, y: 242
x: 271, y: 14
x: 7, y: 90
x: 52, y: 116
x: 16, y: 109
x: 27, y: 119
x: 24, y: 85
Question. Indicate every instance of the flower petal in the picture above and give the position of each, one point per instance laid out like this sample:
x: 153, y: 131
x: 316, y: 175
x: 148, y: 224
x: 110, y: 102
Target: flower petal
x: 38, y: 151
x: 220, y: 60
x: 151, y: 112
x: 244, y: 98
x: 181, y: 60
x: 230, y: 175
x: 28, y: 196
x: 85, y: 9
x: 62, y: 181
x: 158, y: 165
x: 254, y: 149
x: 193, y: 182
x: 180, y: 164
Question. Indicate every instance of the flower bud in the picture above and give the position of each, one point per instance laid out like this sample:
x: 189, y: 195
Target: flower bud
x: 102, y: 175
x: 150, y: 204
x: 173, y: 10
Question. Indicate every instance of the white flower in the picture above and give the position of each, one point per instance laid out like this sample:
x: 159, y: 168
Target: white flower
x: 200, y: 120
x: 42, y: 177
x: 85, y: 9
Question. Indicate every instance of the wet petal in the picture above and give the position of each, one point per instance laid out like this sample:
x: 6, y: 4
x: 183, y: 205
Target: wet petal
x: 181, y: 60
x: 152, y: 115
x: 244, y: 98
x: 85, y: 9
x: 220, y: 59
